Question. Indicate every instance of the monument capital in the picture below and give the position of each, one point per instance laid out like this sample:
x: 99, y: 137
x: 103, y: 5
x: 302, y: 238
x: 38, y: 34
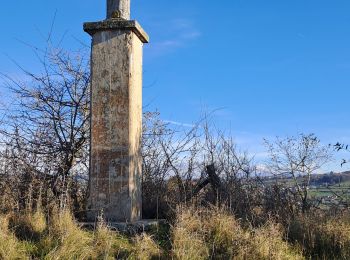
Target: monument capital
x: 117, y: 24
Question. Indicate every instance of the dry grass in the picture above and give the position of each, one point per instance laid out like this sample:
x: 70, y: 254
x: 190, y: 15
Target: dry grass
x: 322, y: 237
x: 188, y: 239
x: 109, y: 244
x: 104, y: 241
x: 188, y: 245
x: 62, y: 238
x: 29, y: 226
x: 72, y: 242
x: 67, y: 240
x: 146, y: 248
x: 10, y: 246
x: 196, y: 234
x: 37, y: 221
x: 336, y: 236
x: 224, y: 234
x: 203, y: 234
x: 267, y: 242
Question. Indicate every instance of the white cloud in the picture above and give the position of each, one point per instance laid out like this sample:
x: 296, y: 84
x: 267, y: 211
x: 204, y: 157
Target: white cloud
x: 178, y: 33
x: 179, y: 123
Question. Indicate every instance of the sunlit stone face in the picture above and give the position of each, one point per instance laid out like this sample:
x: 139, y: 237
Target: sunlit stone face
x: 120, y: 6
x: 116, y: 116
x: 116, y: 126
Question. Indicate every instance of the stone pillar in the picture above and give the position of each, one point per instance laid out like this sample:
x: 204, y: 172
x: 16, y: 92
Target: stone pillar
x: 116, y: 119
x: 119, y: 8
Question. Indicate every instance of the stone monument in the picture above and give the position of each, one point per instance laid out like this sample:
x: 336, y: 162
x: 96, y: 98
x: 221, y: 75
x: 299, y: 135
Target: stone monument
x: 116, y: 115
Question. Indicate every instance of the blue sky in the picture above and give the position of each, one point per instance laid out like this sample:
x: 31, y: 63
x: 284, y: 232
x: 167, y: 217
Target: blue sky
x: 270, y: 67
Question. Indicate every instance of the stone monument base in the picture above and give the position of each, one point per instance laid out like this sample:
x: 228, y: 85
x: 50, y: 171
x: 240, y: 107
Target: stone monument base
x: 130, y: 228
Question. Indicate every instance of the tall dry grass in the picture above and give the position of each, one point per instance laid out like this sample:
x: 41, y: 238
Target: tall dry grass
x: 146, y: 248
x: 109, y: 244
x: 267, y: 242
x: 198, y: 233
x: 31, y: 236
x: 322, y: 237
x: 215, y: 234
x: 10, y: 246
x: 66, y: 240
x: 187, y: 235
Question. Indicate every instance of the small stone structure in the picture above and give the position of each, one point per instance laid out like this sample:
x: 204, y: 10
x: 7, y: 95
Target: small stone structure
x: 116, y: 115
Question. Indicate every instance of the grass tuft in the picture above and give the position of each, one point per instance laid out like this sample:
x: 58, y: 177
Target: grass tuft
x: 203, y: 234
x: 10, y: 246
x: 146, y: 248
x: 67, y: 240
x: 188, y: 240
x: 322, y: 237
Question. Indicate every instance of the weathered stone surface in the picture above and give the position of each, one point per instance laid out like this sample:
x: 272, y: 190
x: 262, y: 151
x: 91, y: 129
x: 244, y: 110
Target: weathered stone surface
x: 116, y: 122
x: 122, y: 6
x: 137, y: 227
x: 116, y: 24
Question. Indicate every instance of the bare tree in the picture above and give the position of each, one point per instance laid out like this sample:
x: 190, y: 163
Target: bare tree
x: 169, y: 162
x: 45, y: 140
x: 298, y: 158
x: 194, y: 164
x: 47, y: 128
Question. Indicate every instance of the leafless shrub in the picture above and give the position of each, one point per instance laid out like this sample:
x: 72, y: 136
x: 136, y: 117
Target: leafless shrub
x: 45, y: 134
x: 177, y: 161
x: 294, y: 160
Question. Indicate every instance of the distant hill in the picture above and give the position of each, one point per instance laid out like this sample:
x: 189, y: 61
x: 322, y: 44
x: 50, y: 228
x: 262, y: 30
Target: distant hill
x: 330, y: 178
x: 317, y: 180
